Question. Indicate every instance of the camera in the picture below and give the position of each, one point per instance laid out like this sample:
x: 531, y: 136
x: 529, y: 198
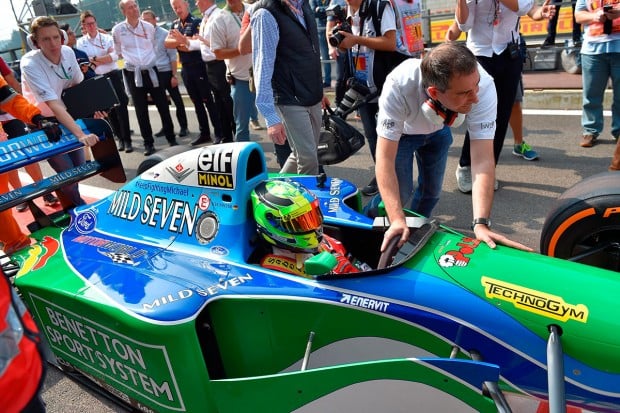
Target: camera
x: 607, y: 8
x: 356, y: 91
x: 339, y: 14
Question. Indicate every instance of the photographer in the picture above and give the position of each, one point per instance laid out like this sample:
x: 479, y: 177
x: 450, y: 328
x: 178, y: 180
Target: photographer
x: 364, y: 42
x: 340, y: 56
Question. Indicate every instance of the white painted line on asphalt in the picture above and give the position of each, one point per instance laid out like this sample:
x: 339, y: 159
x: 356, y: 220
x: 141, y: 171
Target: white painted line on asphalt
x: 533, y: 112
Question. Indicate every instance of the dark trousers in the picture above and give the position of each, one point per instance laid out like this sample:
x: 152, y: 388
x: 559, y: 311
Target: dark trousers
x: 506, y: 73
x: 216, y: 72
x: 552, y: 25
x: 118, y: 116
x: 368, y: 113
x: 140, y: 102
x: 175, y: 95
x: 342, y: 75
x: 199, y: 91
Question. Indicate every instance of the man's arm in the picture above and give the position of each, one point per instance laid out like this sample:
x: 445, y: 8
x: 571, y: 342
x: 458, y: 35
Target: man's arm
x: 386, y: 42
x: 60, y: 112
x: 245, y: 40
x: 483, y: 177
x: 461, y: 14
x: 218, y: 40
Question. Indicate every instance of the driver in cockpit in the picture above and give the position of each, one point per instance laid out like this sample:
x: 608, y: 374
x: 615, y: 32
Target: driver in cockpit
x: 289, y: 219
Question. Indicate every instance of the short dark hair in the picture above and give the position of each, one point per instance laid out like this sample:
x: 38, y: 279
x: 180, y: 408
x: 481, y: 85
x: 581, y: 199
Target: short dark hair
x: 85, y: 14
x: 443, y: 62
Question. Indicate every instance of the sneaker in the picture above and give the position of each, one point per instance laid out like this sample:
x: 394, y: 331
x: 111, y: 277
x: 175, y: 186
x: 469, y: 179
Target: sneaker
x: 183, y: 132
x: 128, y: 149
x: 587, y: 141
x: 160, y: 133
x: 463, y: 178
x: 50, y: 199
x: 615, y: 137
x: 496, y: 185
x: 525, y: 151
x: 255, y: 124
x: 21, y: 207
x: 371, y: 189
x: 120, y: 146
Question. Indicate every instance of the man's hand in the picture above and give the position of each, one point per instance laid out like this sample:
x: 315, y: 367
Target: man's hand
x: 51, y: 128
x: 325, y: 102
x: 174, y: 82
x: 277, y: 133
x: 349, y: 40
x: 398, y: 228
x: 179, y: 37
x: 484, y: 233
x: 89, y: 140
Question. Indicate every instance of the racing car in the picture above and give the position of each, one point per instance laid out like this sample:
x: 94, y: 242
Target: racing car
x: 155, y: 294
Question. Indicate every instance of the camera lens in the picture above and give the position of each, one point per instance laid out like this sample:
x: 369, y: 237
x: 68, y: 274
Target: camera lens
x: 348, y: 100
x: 335, y: 39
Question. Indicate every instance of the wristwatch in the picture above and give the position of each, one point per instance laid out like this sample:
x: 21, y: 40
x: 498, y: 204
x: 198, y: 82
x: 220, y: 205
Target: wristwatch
x: 483, y: 221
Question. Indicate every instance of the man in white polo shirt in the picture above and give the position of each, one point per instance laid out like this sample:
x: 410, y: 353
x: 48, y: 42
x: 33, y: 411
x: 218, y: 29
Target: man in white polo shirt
x: 134, y: 39
x: 100, y: 49
x: 420, y: 101
x: 46, y: 71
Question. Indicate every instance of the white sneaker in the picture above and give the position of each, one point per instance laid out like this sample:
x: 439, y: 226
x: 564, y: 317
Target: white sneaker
x: 463, y: 178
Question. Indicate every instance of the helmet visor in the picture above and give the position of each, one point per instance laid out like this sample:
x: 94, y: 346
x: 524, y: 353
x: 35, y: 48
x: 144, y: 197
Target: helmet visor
x: 308, y: 221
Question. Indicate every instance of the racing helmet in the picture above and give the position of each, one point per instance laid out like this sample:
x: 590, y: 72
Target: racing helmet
x: 287, y: 215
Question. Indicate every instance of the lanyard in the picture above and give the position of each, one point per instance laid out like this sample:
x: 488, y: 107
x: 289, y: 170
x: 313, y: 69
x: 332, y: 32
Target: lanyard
x: 64, y: 76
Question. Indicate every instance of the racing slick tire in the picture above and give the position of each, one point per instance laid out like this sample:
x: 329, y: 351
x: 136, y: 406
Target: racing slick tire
x: 584, y: 223
x: 159, y: 156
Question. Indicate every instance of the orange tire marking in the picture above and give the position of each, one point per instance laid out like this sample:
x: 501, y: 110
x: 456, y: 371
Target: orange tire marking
x: 565, y: 225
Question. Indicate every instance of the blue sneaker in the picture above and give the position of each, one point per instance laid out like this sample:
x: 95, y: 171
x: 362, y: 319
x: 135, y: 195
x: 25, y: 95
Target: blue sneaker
x: 525, y: 151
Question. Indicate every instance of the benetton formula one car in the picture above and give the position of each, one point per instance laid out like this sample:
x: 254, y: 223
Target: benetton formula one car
x: 155, y: 294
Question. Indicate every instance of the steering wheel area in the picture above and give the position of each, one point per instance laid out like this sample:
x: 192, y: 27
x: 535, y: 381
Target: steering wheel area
x: 387, y: 257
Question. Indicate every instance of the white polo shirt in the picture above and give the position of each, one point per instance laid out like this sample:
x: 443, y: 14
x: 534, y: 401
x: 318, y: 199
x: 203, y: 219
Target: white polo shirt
x: 135, y: 44
x: 101, y: 45
x: 402, y: 97
x: 43, y: 80
x: 225, y: 33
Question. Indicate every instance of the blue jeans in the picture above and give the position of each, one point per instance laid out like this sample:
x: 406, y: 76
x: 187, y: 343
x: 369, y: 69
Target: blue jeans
x: 243, y: 101
x: 327, y: 67
x: 61, y: 163
x: 596, y: 71
x: 431, y: 154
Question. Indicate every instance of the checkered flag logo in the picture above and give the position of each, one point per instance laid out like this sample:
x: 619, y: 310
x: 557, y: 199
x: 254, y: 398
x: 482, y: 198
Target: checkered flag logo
x: 119, y: 257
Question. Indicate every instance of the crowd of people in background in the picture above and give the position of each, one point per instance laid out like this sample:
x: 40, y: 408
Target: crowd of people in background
x: 276, y: 57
